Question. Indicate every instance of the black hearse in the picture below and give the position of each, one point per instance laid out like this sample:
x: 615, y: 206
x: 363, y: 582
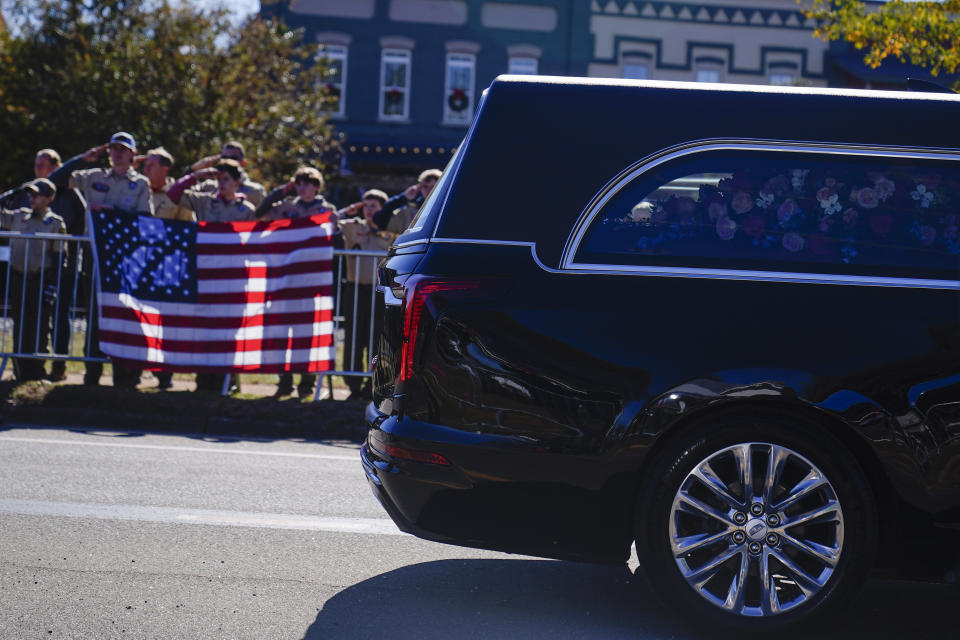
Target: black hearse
x: 721, y: 323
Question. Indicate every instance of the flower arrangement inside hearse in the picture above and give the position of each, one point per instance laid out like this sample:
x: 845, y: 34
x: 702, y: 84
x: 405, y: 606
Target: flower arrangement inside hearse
x: 792, y: 214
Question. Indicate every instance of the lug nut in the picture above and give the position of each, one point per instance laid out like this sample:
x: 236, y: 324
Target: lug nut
x: 739, y: 537
x: 739, y: 518
x: 757, y: 509
x: 755, y: 547
x: 772, y: 539
x: 773, y: 520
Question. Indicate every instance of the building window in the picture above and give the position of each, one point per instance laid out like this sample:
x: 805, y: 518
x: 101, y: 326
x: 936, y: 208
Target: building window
x: 395, y: 84
x: 635, y: 71
x: 522, y: 65
x: 708, y: 75
x: 458, y: 95
x: 335, y: 80
x: 782, y: 79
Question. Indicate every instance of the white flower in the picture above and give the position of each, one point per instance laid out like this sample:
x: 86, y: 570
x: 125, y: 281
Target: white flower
x: 765, y: 200
x: 921, y: 195
x: 798, y: 177
x: 831, y: 205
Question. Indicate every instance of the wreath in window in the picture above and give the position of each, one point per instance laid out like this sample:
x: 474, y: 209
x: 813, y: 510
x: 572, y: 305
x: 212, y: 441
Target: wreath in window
x: 458, y: 100
x: 394, y: 99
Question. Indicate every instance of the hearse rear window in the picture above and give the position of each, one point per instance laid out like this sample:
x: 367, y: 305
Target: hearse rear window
x: 779, y: 211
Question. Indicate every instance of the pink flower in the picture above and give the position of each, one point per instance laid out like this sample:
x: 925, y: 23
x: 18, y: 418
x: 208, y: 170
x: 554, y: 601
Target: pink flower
x: 754, y: 225
x: 867, y: 198
x: 787, y: 210
x: 742, y: 202
x: 793, y: 242
x: 830, y: 182
x: 726, y: 228
x: 824, y: 193
x: 927, y: 235
x: 777, y: 185
x: 716, y: 210
x: 881, y: 224
x: 884, y: 188
x: 850, y: 216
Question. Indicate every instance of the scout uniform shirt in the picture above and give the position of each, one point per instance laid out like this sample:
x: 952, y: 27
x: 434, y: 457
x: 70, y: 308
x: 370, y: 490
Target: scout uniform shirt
x: 357, y: 234
x: 39, y: 254
x: 297, y: 208
x: 402, y: 218
x: 128, y: 191
x: 209, y: 207
x: 164, y: 207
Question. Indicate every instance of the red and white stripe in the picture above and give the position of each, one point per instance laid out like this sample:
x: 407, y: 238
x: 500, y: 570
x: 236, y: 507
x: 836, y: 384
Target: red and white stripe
x: 264, y: 304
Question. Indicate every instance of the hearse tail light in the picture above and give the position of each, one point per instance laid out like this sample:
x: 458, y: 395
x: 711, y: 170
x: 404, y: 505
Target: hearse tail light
x: 378, y: 444
x: 421, y: 291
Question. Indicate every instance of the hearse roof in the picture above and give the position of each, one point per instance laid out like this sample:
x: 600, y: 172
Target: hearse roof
x: 542, y: 148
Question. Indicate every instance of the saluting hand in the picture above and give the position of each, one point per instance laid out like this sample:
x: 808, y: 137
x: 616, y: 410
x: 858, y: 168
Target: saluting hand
x: 203, y: 163
x: 93, y: 153
x: 410, y: 193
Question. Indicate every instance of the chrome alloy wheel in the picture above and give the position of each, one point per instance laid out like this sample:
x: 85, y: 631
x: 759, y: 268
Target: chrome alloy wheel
x: 756, y: 529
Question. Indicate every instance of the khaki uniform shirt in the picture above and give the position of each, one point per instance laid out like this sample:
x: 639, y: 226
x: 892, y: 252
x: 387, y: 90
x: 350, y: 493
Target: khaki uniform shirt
x: 39, y: 254
x: 253, y: 191
x: 357, y: 234
x: 164, y: 207
x: 296, y: 208
x: 129, y: 191
x: 210, y: 208
x: 402, y: 218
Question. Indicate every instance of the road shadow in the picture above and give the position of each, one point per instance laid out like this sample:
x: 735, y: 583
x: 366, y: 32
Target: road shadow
x: 532, y: 599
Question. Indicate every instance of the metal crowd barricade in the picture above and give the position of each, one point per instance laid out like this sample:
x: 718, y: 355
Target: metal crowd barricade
x: 74, y: 277
x: 360, y: 257
x: 44, y: 292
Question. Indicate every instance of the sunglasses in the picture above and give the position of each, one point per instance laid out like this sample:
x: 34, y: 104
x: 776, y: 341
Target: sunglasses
x: 315, y: 183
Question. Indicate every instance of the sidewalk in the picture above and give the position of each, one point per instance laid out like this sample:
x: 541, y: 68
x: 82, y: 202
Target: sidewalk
x: 181, y: 409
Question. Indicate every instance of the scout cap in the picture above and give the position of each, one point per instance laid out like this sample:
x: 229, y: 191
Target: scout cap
x: 124, y: 139
x: 41, y: 186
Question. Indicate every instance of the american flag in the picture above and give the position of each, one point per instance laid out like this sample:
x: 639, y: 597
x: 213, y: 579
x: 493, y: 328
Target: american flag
x: 215, y: 297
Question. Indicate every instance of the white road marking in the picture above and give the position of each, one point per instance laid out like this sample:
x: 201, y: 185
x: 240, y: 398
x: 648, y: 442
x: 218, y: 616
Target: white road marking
x: 159, y: 447
x: 376, y: 526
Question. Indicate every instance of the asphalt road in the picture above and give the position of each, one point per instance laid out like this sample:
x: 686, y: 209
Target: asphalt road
x: 131, y: 535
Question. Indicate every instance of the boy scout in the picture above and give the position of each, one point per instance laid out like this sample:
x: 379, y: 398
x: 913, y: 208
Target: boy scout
x: 118, y: 188
x: 361, y: 233
x: 252, y: 191
x: 32, y: 268
x: 400, y: 210
x: 227, y: 204
x: 156, y: 167
x: 308, y: 183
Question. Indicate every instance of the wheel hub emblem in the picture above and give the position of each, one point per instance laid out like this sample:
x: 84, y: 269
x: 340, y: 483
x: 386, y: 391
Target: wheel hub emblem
x: 756, y: 529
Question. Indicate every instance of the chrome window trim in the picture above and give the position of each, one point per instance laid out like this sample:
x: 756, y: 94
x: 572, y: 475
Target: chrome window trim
x: 411, y: 243
x: 715, y: 274
x: 631, y: 173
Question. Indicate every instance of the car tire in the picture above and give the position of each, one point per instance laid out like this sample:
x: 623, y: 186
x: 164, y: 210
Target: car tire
x: 727, y: 564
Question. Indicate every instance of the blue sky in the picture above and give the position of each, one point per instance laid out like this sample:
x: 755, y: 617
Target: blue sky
x: 239, y: 8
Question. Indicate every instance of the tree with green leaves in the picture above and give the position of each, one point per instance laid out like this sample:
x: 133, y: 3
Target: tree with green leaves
x: 926, y: 34
x: 74, y: 71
